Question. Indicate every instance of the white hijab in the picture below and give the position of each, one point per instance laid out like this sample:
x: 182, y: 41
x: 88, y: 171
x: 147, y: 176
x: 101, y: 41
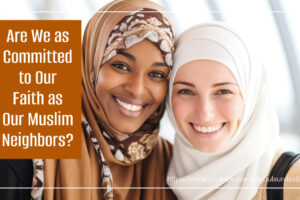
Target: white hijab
x: 236, y: 171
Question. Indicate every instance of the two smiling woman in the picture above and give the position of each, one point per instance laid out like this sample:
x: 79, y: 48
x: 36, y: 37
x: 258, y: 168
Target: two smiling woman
x: 218, y: 102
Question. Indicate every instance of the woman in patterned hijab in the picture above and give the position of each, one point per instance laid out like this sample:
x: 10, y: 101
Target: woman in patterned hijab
x: 127, y: 55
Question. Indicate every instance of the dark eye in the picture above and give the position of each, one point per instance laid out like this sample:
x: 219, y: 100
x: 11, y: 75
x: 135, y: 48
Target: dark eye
x: 220, y: 92
x: 157, y: 74
x: 185, y: 91
x: 121, y: 66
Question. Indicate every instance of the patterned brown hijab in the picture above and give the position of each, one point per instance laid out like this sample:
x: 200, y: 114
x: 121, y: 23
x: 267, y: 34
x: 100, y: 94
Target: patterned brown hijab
x: 113, y: 162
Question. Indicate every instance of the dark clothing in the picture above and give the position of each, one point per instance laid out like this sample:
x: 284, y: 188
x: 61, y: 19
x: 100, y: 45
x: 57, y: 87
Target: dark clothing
x: 15, y: 173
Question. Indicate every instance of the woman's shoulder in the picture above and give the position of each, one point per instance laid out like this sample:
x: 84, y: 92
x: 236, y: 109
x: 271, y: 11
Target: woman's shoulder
x: 292, y: 182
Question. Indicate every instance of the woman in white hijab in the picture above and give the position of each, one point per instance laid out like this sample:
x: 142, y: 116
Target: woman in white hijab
x: 226, y: 139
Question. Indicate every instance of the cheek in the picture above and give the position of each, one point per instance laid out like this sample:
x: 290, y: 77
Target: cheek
x: 158, y: 91
x: 232, y: 109
x: 182, y: 109
x: 107, y: 80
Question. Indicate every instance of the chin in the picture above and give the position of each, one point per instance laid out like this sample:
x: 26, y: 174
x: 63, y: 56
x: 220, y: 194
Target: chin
x: 208, y: 148
x: 127, y: 128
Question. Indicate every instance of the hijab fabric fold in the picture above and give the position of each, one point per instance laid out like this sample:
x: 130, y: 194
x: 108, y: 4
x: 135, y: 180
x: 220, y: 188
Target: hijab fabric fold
x: 110, y: 159
x: 236, y: 171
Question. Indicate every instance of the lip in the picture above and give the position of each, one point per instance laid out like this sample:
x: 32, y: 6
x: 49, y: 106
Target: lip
x: 131, y: 101
x: 211, y: 134
x: 129, y: 113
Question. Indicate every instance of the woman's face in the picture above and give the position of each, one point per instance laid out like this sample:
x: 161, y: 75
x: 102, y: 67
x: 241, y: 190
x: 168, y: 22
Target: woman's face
x: 207, y: 104
x: 132, y: 85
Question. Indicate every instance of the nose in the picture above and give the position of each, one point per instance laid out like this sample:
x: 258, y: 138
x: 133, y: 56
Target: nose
x: 136, y: 84
x: 205, y: 109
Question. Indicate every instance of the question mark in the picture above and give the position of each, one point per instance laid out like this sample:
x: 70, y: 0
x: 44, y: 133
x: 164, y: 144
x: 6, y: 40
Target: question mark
x: 69, y: 135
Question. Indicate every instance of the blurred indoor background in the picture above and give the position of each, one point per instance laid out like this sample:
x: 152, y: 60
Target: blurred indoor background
x: 271, y: 23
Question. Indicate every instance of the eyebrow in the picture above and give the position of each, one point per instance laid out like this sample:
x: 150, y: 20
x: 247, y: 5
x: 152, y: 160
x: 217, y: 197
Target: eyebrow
x: 160, y: 64
x: 224, y: 83
x: 214, y: 85
x: 131, y: 57
x: 184, y: 83
x: 127, y: 55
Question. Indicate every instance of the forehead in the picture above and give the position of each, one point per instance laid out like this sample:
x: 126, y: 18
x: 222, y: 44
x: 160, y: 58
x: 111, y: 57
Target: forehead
x: 204, y: 71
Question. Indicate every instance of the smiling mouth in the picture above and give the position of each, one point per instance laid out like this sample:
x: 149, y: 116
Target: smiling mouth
x: 207, y: 130
x: 129, y: 107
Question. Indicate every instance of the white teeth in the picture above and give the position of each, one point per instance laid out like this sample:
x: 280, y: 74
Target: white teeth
x: 130, y: 107
x: 207, y: 129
